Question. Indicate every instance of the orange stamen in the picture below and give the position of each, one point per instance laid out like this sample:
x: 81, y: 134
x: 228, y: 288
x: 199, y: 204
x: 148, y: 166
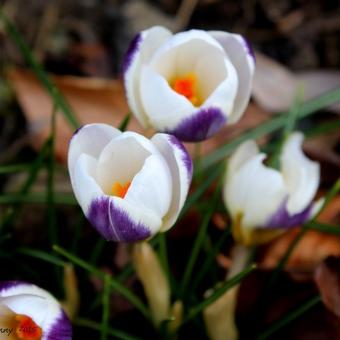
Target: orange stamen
x: 186, y: 86
x: 119, y: 189
x: 26, y: 328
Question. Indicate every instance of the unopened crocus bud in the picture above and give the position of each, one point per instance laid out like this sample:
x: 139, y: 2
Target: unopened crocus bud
x: 155, y: 283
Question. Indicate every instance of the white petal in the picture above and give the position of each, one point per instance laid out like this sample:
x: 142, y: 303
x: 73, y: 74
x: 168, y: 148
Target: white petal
x: 165, y: 107
x: 246, y: 151
x: 151, y: 188
x: 30, y: 300
x: 237, y: 50
x: 301, y: 175
x: 150, y: 40
x: 120, y: 161
x: 179, y: 53
x: 85, y: 186
x: 224, y: 95
x: 254, y: 191
x: 180, y: 165
x: 89, y: 139
x: 31, y: 305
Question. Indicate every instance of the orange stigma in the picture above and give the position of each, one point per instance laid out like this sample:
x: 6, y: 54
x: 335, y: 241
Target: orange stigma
x: 26, y: 328
x: 186, y: 86
x: 119, y: 189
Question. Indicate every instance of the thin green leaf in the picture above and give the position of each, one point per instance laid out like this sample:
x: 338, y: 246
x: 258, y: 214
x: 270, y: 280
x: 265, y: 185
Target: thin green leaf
x: 198, y: 242
x: 41, y: 255
x: 36, y: 67
x: 289, y: 318
x: 219, y: 292
x: 211, y: 256
x: 116, y: 285
x: 270, y: 126
x: 324, y: 228
x: 32, y: 175
x: 37, y: 198
x: 115, y: 333
x: 125, y: 122
x: 51, y: 215
x: 12, y: 168
x: 290, y: 122
x: 106, y: 307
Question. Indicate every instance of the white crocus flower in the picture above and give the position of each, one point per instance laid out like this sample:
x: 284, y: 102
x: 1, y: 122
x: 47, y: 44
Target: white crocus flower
x: 128, y: 186
x: 263, y: 201
x: 189, y: 84
x: 29, y: 312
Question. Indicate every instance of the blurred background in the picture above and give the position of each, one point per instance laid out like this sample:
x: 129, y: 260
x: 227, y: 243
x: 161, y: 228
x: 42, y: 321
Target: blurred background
x: 81, y: 44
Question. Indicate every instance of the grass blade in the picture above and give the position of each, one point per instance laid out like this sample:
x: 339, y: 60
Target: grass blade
x: 114, y: 284
x: 115, y: 333
x: 289, y: 318
x: 25, y: 51
x: 219, y: 292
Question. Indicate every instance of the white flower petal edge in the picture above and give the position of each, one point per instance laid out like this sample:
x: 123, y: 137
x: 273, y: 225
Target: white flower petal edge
x: 29, y: 300
x: 181, y: 168
x: 151, y: 171
x: 242, y: 57
x: 141, y: 49
x: 254, y: 192
x: 301, y: 175
x: 260, y: 197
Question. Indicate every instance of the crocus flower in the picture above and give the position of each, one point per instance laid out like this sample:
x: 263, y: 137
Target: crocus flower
x: 263, y: 201
x: 188, y: 84
x: 128, y: 186
x: 30, y: 313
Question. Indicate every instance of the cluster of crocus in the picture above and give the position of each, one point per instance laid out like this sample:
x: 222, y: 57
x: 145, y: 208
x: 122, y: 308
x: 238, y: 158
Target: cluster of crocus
x: 188, y: 84
x: 262, y: 201
x: 28, y: 312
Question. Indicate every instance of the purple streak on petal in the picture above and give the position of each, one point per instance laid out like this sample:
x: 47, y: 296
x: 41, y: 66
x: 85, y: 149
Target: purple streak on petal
x: 115, y: 224
x: 201, y: 125
x: 249, y: 48
x: 282, y: 219
x: 185, y: 155
x: 131, y: 51
x: 61, y: 328
x: 4, y: 285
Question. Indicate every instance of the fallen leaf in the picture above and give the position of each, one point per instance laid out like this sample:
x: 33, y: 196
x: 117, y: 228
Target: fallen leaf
x: 311, y: 250
x: 93, y: 101
x: 99, y: 101
x: 275, y: 86
x: 327, y: 278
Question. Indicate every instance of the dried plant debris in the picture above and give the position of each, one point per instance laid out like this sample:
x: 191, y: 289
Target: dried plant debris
x: 327, y: 278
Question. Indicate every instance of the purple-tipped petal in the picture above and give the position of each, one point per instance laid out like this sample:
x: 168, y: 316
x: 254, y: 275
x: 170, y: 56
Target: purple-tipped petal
x: 4, y: 285
x: 202, y: 125
x: 282, y: 219
x: 131, y: 52
x: 61, y: 329
x: 249, y: 48
x: 185, y: 155
x: 115, y: 224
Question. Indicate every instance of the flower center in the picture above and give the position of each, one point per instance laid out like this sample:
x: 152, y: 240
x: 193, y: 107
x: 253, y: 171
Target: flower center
x: 187, y: 87
x: 26, y: 328
x: 119, y: 189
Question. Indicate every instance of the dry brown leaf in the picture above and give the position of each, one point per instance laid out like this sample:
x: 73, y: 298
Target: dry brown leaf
x: 275, y: 86
x: 313, y: 248
x: 327, y: 278
x: 98, y: 101
x: 93, y: 100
